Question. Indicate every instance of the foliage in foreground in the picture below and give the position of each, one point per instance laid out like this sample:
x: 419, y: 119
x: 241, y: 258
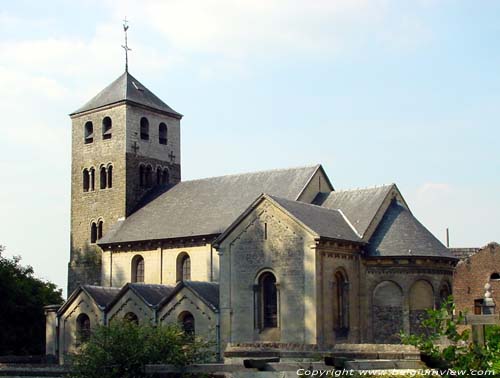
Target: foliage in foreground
x: 122, y: 349
x: 460, y: 354
x: 22, y: 317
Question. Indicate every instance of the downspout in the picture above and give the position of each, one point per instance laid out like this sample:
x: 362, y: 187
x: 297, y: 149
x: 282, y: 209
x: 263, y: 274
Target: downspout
x: 217, y: 336
x: 161, y: 265
x: 211, y: 263
x: 111, y: 268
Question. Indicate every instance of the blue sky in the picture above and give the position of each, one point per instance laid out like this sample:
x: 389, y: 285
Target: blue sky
x: 378, y: 91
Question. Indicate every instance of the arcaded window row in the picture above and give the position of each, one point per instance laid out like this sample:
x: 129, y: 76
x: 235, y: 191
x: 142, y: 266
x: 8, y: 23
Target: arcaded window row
x: 106, y: 129
x: 105, y: 178
x: 107, y: 125
x: 96, y: 230
x: 147, y: 179
x: 183, y: 268
x: 162, y: 131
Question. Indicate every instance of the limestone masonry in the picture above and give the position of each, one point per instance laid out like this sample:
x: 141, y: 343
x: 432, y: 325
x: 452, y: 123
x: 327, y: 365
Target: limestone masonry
x: 275, y: 257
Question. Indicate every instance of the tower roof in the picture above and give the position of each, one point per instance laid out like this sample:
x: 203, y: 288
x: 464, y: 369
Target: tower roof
x: 127, y: 89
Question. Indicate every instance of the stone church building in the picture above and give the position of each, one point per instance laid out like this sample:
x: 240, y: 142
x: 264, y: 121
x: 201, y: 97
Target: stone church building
x: 275, y: 256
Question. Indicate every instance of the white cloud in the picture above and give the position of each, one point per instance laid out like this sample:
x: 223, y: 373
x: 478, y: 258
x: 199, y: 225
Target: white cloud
x: 241, y: 28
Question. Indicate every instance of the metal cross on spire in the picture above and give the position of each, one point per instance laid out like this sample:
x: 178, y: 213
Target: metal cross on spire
x: 125, y: 46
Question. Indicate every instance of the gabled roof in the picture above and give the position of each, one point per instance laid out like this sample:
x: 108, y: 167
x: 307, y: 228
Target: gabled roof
x: 325, y: 223
x: 151, y: 294
x: 102, y: 296
x: 360, y: 206
x: 206, y: 206
x: 399, y: 233
x: 208, y: 292
x: 321, y: 222
x: 127, y: 89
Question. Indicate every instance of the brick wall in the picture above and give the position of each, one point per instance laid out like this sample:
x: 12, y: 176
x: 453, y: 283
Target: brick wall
x: 473, y: 273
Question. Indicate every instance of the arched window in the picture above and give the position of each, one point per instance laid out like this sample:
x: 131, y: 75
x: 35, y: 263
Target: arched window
x: 165, y: 178
x: 131, y: 318
x: 341, y: 305
x: 103, y: 177
x: 138, y: 269
x: 93, y: 232
x: 162, y: 133
x: 110, y: 176
x: 495, y: 276
x: 149, y: 176
x: 106, y: 128
x: 183, y: 267
x: 268, y: 301
x: 92, y: 179
x: 86, y: 180
x: 99, y: 229
x: 158, y: 176
x: 82, y: 328
x: 89, y: 132
x: 144, y: 128
x: 142, y: 175
x: 186, y: 321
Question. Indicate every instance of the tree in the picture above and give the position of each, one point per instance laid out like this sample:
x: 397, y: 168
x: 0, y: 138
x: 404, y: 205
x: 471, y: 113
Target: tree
x: 123, y: 348
x: 22, y: 298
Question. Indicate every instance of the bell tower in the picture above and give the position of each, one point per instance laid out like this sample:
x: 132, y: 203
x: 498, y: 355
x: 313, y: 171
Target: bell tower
x: 125, y: 145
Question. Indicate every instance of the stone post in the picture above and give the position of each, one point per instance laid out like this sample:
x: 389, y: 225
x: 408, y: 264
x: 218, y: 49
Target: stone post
x: 51, y: 332
x: 488, y: 302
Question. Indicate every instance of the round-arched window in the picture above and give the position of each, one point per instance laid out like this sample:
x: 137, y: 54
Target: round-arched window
x: 138, y: 269
x: 186, y: 320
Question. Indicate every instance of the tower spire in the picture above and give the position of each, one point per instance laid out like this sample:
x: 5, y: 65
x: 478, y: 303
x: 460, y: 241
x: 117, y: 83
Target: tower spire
x: 125, y: 46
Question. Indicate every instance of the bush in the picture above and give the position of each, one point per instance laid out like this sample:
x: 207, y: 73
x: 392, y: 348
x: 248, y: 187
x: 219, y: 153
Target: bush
x: 122, y: 349
x: 459, y: 353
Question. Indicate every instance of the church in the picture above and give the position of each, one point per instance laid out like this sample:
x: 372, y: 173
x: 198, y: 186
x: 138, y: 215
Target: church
x: 276, y: 256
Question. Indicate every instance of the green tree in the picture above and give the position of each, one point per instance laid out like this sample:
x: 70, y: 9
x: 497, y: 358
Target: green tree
x: 22, y: 298
x: 122, y: 349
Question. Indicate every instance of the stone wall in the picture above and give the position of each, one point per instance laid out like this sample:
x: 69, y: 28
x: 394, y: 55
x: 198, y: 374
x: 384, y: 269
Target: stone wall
x: 125, y: 151
x: 289, y: 253
x: 160, y: 263
x: 343, y: 258
x: 385, y: 312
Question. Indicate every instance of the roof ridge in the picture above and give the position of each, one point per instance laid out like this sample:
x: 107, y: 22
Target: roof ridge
x: 302, y: 203
x: 251, y: 173
x: 364, y: 188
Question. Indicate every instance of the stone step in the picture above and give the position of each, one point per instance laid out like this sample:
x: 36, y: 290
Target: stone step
x: 383, y: 364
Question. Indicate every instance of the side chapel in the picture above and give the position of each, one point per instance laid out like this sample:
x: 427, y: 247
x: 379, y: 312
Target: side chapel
x: 276, y: 256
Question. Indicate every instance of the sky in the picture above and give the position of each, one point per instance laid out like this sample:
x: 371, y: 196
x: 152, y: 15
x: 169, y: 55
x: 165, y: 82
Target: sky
x: 377, y: 91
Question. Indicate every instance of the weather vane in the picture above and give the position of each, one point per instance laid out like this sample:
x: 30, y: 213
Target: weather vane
x: 125, y: 46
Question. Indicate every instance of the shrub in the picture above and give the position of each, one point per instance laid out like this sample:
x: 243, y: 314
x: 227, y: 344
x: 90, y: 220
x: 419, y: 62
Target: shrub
x: 122, y: 349
x: 458, y: 353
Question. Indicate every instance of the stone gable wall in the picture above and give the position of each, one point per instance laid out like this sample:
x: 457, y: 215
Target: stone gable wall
x: 246, y: 253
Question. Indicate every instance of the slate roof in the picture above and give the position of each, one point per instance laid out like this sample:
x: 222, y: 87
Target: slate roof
x: 206, y: 206
x: 101, y: 295
x: 359, y: 205
x: 151, y: 294
x: 127, y: 88
x: 325, y: 222
x: 399, y: 233
x: 208, y: 291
